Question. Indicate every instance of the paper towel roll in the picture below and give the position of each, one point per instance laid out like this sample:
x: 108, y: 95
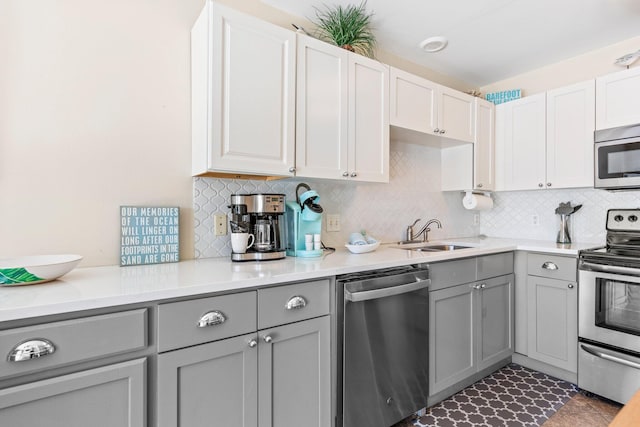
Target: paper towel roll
x: 477, y: 202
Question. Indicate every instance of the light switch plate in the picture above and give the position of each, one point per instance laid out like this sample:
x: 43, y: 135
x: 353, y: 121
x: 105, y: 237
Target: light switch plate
x: 220, y: 225
x: 333, y: 222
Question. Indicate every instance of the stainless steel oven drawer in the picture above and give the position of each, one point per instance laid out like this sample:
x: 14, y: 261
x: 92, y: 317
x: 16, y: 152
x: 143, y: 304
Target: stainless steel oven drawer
x: 552, y: 266
x: 608, y: 373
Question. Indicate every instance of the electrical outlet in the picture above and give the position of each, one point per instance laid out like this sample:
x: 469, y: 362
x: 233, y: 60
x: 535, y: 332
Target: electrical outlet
x: 333, y: 222
x: 535, y: 221
x: 476, y: 219
x: 220, y: 225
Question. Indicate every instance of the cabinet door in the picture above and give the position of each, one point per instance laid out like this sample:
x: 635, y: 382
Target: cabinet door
x: 295, y: 375
x: 496, y: 320
x: 615, y: 104
x: 520, y: 144
x: 110, y: 396
x: 484, y: 147
x: 452, y: 340
x: 368, y: 120
x: 209, y: 384
x: 552, y: 322
x: 413, y: 102
x: 250, y: 120
x: 456, y: 114
x: 322, y: 109
x: 570, y: 126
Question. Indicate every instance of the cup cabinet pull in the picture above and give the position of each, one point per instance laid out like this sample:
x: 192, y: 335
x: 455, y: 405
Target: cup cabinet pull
x: 31, y: 349
x: 548, y: 265
x: 211, y: 318
x: 296, y: 303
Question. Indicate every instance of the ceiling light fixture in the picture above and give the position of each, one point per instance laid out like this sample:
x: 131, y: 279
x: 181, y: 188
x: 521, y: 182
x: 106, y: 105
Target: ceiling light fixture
x: 434, y: 44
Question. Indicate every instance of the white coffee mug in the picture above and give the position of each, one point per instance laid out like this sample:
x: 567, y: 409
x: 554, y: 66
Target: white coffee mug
x: 240, y: 242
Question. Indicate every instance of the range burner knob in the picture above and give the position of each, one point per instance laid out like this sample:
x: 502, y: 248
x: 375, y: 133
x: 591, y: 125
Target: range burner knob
x: 633, y: 218
x: 618, y: 218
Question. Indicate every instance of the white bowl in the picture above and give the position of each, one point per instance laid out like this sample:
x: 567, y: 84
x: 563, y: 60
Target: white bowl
x: 361, y: 249
x: 30, y: 270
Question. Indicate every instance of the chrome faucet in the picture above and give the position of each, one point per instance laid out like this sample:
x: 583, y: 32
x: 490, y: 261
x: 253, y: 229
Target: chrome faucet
x: 411, y: 236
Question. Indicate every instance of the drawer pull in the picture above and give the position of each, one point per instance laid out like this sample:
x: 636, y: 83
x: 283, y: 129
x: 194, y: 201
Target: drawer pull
x: 211, y: 318
x: 296, y: 303
x: 31, y: 349
x: 548, y: 265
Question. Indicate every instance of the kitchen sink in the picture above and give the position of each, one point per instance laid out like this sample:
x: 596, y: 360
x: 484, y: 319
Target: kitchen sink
x: 437, y: 247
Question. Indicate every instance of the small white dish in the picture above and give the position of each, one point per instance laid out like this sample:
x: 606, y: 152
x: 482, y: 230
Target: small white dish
x: 362, y: 249
x: 31, y: 270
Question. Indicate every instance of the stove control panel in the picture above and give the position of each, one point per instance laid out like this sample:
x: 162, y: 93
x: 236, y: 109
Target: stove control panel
x: 623, y: 220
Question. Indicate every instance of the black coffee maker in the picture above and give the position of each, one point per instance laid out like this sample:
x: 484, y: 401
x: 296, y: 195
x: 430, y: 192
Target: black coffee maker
x: 260, y: 215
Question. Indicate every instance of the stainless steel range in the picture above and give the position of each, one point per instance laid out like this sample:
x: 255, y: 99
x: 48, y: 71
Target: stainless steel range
x: 609, y: 310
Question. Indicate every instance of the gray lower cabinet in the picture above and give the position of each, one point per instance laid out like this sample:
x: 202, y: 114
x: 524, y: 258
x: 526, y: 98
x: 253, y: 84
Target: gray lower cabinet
x: 213, y: 384
x: 294, y: 375
x: 552, y: 328
x: 470, y: 329
x: 273, y: 379
x: 113, y: 395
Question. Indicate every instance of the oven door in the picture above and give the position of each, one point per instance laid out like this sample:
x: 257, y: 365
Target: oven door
x: 609, y: 306
x: 617, y: 164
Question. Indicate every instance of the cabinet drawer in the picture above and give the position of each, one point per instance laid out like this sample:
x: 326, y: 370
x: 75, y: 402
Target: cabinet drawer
x: 451, y: 273
x: 179, y: 323
x: 277, y: 306
x: 495, y: 265
x: 75, y: 340
x: 553, y: 266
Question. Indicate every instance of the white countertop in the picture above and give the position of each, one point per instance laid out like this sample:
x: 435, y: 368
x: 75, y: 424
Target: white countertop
x: 99, y: 287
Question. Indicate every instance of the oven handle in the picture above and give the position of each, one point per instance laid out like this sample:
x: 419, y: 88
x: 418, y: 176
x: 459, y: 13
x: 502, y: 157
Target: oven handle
x: 607, y: 356
x: 614, y: 269
x: 386, y: 292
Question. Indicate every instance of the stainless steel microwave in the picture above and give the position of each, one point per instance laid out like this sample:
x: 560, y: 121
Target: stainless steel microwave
x: 617, y: 158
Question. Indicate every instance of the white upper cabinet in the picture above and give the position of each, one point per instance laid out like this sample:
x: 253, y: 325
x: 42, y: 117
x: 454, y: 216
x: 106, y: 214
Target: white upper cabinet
x: 424, y: 106
x: 546, y: 140
x: 484, y: 147
x: 570, y: 126
x: 520, y: 144
x: 243, y: 94
x: 342, y: 127
x: 617, y: 99
x: 456, y: 114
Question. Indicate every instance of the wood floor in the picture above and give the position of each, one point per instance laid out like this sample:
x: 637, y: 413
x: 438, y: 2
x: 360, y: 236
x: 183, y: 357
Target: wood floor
x: 584, y: 411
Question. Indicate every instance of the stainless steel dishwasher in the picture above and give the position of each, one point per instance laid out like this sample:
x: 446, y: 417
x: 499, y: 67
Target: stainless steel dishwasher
x: 383, y: 350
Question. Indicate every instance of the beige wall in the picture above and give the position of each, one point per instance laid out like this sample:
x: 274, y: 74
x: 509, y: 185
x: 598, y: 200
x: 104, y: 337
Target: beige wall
x: 579, y: 68
x: 95, y: 114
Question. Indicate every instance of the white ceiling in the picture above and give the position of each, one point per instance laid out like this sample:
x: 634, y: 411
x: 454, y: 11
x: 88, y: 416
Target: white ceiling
x: 490, y: 40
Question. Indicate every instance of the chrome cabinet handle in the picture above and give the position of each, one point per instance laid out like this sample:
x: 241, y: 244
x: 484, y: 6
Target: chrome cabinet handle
x: 253, y: 343
x: 442, y: 132
x: 476, y: 286
x: 548, y: 265
x: 436, y: 130
x: 570, y: 286
x: 211, y: 318
x: 345, y: 173
x: 296, y: 303
x: 479, y: 185
x: 292, y: 169
x: 353, y: 174
x: 268, y: 339
x: 31, y: 349
x: 548, y: 184
x: 540, y: 185
x: 484, y: 285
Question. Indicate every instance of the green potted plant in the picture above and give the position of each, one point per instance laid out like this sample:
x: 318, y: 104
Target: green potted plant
x: 348, y: 27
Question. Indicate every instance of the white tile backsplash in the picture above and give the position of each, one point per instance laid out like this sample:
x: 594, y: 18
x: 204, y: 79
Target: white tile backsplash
x: 513, y: 211
x: 383, y: 210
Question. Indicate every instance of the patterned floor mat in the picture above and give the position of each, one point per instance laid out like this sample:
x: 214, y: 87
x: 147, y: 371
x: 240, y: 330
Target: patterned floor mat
x: 513, y: 396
